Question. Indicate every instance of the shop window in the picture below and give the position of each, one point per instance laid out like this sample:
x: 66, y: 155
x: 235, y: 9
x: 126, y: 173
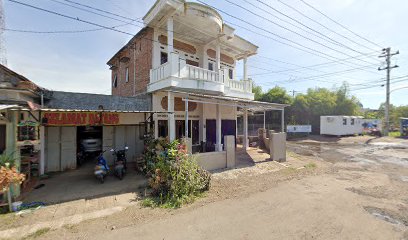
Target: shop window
x: 115, y: 81
x: 344, y: 121
x: 163, y: 128
x: 231, y: 73
x: 211, y: 66
x: 27, y: 133
x: 163, y: 58
x: 352, y: 121
x: 127, y: 74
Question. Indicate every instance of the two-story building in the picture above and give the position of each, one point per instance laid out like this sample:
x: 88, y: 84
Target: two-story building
x: 185, y: 60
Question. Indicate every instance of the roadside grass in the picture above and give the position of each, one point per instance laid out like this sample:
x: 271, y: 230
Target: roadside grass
x: 394, y: 134
x: 38, y: 233
x: 310, y: 166
x: 156, y: 202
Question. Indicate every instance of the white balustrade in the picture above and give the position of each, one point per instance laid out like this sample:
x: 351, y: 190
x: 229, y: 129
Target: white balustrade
x: 178, y: 68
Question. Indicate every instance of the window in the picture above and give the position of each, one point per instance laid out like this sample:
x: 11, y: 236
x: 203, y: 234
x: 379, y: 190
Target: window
x: 231, y: 73
x: 27, y: 133
x: 127, y: 74
x: 115, y: 81
x: 344, y: 121
x: 352, y: 121
x: 163, y: 58
x: 211, y: 66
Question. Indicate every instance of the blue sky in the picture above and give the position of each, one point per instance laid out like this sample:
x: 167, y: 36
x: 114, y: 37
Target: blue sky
x: 77, y: 61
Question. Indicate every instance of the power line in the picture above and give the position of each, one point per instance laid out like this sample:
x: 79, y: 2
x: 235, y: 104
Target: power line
x: 59, y: 31
x: 304, y: 25
x: 317, y: 22
x: 311, y: 50
x: 341, y: 25
x: 287, y: 29
x: 331, y: 40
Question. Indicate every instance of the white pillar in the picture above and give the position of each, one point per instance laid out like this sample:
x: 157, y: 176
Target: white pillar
x: 186, y: 118
x: 42, y: 150
x: 203, y: 123
x: 218, y: 146
x: 218, y: 56
x: 170, y: 36
x: 156, y: 126
x: 245, y: 69
x: 246, y: 140
x: 156, y: 49
x: 283, y: 120
x: 171, y: 121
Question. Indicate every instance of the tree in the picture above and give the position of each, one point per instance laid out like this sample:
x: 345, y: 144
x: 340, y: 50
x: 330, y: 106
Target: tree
x: 277, y: 95
x: 257, y: 90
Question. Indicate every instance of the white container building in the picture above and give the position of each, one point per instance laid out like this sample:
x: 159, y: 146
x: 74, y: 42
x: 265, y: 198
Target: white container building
x: 341, y: 125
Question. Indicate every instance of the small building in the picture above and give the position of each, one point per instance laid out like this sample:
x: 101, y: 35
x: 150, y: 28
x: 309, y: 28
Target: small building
x: 341, y: 125
x: 404, y: 126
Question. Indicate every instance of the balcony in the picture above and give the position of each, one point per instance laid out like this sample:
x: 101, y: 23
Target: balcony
x: 176, y: 74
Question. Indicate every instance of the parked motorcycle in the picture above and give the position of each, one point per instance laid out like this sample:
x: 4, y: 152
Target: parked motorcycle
x: 101, y: 168
x: 120, y: 161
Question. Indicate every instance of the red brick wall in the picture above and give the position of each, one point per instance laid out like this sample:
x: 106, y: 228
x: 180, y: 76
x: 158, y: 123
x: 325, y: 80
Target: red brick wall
x: 142, y: 62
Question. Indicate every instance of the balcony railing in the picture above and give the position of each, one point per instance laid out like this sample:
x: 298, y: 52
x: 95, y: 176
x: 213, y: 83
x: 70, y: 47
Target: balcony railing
x: 178, y: 68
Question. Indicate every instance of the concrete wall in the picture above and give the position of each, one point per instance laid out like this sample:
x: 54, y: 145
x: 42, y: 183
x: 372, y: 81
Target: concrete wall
x: 212, y: 160
x: 218, y: 160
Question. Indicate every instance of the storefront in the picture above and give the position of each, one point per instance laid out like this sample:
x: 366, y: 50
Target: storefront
x: 67, y: 132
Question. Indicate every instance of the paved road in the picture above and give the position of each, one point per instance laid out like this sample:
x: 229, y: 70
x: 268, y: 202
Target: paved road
x: 300, y: 209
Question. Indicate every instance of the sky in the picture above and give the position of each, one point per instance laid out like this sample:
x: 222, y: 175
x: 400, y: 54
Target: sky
x: 299, y: 48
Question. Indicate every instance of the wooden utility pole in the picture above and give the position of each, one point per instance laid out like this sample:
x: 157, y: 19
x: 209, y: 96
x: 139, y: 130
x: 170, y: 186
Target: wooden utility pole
x: 387, y: 55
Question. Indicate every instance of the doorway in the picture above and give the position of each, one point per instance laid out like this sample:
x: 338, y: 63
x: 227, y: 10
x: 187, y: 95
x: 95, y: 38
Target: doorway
x: 2, y: 138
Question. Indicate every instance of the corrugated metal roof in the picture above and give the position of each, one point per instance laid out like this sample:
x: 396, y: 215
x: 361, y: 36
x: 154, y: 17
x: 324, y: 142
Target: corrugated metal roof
x: 91, y: 110
x: 251, y: 105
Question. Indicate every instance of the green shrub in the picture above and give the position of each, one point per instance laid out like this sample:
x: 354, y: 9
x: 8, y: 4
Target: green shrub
x: 174, y: 176
x: 7, y: 160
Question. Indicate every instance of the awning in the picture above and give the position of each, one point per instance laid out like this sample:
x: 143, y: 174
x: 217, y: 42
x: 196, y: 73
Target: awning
x: 5, y: 107
x: 250, y: 105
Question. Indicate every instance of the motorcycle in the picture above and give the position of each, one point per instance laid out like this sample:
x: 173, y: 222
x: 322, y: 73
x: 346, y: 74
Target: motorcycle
x: 101, y: 168
x: 120, y: 161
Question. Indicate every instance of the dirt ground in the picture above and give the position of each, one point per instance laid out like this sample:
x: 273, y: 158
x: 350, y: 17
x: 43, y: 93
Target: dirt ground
x: 330, y: 188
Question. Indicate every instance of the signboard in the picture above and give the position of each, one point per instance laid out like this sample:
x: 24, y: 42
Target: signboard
x: 299, y: 128
x: 79, y: 118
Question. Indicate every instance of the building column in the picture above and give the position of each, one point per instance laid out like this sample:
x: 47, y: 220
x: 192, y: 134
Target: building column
x: 156, y: 49
x: 42, y: 150
x: 156, y: 126
x: 283, y: 120
x: 171, y: 119
x: 218, y: 146
x: 186, y: 117
x: 245, y: 69
x: 218, y: 57
x: 246, y: 140
x: 170, y: 36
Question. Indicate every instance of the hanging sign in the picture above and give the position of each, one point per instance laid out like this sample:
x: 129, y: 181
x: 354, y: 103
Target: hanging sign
x: 79, y: 118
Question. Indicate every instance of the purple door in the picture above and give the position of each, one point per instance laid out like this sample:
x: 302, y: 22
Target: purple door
x: 210, y: 135
x: 228, y: 127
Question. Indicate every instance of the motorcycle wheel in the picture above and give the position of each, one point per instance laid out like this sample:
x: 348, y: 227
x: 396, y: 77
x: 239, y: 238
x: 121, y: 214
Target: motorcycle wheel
x: 120, y: 175
x: 101, y: 179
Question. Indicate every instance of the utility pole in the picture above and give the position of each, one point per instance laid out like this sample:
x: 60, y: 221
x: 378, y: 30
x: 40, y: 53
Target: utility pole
x: 293, y: 93
x: 386, y: 53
